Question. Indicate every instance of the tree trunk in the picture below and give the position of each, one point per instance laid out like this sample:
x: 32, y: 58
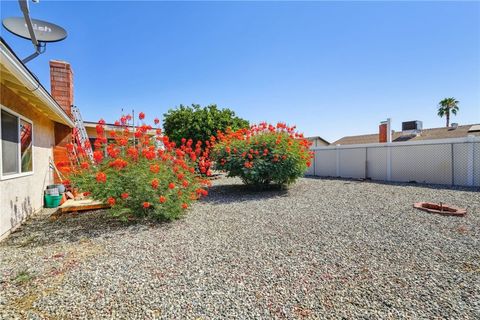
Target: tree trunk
x: 448, y: 119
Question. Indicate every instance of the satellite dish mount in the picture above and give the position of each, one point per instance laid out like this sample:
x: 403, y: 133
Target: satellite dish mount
x: 39, y: 48
x: 38, y: 31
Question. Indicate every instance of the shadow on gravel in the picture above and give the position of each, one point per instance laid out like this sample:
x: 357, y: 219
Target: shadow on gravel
x: 224, y: 194
x: 399, y: 184
x: 41, y: 230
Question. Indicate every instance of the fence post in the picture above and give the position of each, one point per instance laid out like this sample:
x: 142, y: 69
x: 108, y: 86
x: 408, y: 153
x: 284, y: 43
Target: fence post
x: 337, y: 154
x: 452, y: 166
x: 470, y: 159
x: 389, y: 162
x: 366, y: 163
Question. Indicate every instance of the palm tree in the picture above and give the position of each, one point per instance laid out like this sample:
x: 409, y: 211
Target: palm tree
x: 446, y: 106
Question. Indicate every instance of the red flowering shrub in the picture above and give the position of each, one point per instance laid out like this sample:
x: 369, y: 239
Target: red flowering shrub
x: 263, y: 154
x: 140, y: 179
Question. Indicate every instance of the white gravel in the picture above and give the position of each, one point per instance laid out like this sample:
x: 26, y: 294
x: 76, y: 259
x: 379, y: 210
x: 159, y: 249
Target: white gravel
x: 324, y: 249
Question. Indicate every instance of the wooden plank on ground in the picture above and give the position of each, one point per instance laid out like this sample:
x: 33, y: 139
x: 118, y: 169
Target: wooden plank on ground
x: 81, y: 205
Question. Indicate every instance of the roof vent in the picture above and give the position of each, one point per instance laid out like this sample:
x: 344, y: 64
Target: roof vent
x: 454, y: 125
x: 474, y: 128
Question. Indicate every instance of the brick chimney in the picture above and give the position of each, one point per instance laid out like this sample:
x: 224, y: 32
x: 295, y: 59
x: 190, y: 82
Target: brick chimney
x: 384, y: 133
x: 61, y: 84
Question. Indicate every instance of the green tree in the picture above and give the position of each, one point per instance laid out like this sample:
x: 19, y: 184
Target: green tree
x: 198, y: 123
x: 447, y: 106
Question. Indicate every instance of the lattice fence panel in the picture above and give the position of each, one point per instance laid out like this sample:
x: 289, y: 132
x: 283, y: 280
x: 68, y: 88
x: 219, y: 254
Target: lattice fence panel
x: 422, y: 163
x: 460, y: 164
x: 326, y: 163
x: 476, y: 164
x: 377, y: 163
x: 353, y: 162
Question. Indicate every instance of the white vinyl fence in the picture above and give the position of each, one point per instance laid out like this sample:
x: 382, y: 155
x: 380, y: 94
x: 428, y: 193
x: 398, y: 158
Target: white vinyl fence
x: 443, y: 161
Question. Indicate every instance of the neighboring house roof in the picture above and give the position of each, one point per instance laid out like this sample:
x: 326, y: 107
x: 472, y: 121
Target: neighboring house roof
x: 426, y: 134
x: 361, y: 139
x: 317, y: 137
x: 18, y: 78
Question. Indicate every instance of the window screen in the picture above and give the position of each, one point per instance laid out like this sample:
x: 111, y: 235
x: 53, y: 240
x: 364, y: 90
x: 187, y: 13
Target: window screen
x: 9, y: 143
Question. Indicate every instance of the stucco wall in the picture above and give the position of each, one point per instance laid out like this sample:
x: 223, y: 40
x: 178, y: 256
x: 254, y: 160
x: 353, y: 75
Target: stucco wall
x: 22, y: 196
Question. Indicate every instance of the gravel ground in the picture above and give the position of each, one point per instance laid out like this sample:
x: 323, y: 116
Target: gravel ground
x: 321, y: 249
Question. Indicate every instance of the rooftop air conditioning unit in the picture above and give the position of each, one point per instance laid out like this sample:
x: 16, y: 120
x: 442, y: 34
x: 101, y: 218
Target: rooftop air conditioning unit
x: 415, y: 125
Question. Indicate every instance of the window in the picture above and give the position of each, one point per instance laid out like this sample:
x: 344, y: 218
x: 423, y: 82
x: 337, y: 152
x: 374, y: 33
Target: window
x: 16, y: 144
x: 26, y: 145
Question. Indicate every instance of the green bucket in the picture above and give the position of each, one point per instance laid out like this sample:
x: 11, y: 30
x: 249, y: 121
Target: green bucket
x: 52, y: 201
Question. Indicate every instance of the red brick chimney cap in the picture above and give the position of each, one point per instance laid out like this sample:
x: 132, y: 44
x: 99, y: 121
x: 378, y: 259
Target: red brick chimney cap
x: 59, y: 63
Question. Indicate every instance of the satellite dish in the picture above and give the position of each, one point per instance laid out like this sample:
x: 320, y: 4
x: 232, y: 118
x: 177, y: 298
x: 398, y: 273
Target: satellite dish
x: 44, y: 31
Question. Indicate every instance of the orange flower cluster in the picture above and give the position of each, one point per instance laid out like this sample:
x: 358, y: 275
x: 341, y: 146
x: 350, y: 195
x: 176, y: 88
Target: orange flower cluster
x: 133, y: 152
x: 101, y: 177
x: 263, y: 153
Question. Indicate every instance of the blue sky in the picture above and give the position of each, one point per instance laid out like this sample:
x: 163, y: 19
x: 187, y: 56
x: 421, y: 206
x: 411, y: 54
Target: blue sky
x: 331, y: 68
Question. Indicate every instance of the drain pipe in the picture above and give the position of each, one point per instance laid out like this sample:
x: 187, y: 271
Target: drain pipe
x: 39, y: 47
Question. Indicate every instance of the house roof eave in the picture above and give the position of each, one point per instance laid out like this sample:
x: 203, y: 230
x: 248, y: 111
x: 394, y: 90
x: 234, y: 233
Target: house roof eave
x: 17, y: 68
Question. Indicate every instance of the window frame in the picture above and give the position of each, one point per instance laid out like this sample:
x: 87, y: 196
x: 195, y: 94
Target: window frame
x: 18, y: 174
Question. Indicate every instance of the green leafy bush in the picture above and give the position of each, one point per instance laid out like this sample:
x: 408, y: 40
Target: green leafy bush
x: 263, y: 155
x: 139, y: 180
x: 200, y: 124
